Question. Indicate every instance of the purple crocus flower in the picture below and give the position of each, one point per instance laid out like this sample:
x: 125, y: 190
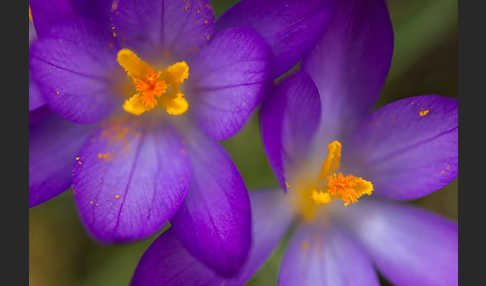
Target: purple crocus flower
x: 341, y: 165
x: 144, y: 90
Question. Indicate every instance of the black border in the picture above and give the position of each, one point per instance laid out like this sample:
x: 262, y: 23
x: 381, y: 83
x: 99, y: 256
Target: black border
x: 15, y: 138
x: 471, y: 92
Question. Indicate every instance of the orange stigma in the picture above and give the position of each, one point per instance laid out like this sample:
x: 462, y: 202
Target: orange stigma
x: 150, y: 88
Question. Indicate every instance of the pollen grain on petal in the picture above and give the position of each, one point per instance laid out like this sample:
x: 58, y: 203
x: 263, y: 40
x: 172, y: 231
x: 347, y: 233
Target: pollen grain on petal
x: 104, y: 156
x: 423, y: 112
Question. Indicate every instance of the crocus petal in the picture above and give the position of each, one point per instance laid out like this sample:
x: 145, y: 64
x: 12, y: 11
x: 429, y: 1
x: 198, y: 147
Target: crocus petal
x: 290, y: 27
x: 45, y: 14
x: 37, y: 115
x: 53, y: 145
x: 35, y: 98
x: 178, y: 28
x: 32, y: 32
x: 349, y: 64
x: 330, y: 257
x: 214, y: 222
x: 271, y: 218
x: 96, y: 10
x: 227, y: 79
x: 72, y: 66
x: 289, y: 119
x: 130, y: 180
x: 409, y: 148
x: 408, y: 245
x: 167, y: 262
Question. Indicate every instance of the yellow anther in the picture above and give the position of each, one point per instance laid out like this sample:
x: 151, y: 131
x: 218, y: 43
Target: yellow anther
x: 154, y: 88
x: 176, y: 105
x: 132, y: 64
x: 134, y: 105
x: 176, y: 74
x: 333, y: 160
x: 320, y: 197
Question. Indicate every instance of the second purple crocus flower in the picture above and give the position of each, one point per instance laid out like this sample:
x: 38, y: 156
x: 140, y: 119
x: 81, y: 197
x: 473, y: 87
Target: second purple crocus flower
x: 340, y: 164
x: 144, y: 89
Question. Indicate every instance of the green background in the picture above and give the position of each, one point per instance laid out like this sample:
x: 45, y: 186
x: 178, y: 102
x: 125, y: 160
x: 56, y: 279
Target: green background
x: 424, y: 62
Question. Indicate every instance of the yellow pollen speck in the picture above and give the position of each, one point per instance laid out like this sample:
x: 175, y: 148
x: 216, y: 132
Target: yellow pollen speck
x: 104, y: 156
x: 117, y: 197
x: 90, y: 202
x: 57, y: 92
x: 448, y: 166
x: 114, y: 34
x: 206, y: 22
x: 80, y: 163
x: 77, y: 158
x: 287, y: 185
x: 442, y: 172
x: 154, y: 88
x: 423, y: 112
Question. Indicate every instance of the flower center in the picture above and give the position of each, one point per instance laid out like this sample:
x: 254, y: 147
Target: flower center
x: 329, y: 185
x: 161, y: 88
